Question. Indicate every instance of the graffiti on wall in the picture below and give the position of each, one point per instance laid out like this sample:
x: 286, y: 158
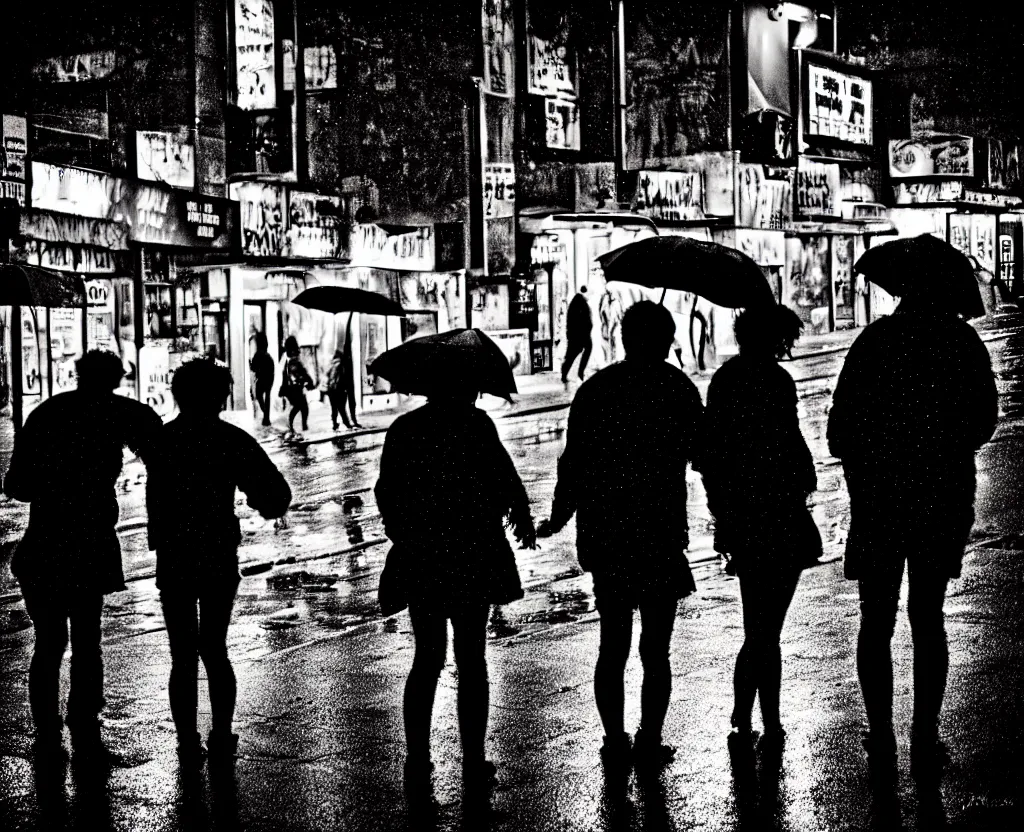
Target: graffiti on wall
x: 262, y: 213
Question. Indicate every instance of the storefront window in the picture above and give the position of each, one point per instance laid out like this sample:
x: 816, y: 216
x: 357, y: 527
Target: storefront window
x: 374, y: 339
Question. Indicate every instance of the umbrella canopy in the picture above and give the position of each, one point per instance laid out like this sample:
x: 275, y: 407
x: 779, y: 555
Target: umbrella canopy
x: 24, y: 285
x: 335, y: 299
x: 721, y: 274
x: 448, y: 361
x: 924, y: 269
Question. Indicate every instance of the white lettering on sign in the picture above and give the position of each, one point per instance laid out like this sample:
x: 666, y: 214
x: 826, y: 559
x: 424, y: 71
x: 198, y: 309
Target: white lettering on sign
x: 66, y: 228
x: 97, y: 293
x: 65, y: 257
x: 839, y: 105
x: 13, y: 190
x: 763, y: 202
x: 670, y: 195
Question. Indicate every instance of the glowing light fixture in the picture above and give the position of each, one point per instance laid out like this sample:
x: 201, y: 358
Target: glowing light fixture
x: 791, y: 11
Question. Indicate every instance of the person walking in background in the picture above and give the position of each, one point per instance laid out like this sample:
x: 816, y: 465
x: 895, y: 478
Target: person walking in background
x: 66, y: 462
x: 578, y: 336
x: 190, y: 497
x: 758, y: 473
x: 915, y: 399
x: 631, y: 432
x: 295, y: 381
x: 341, y: 390
x: 446, y: 491
x: 262, y: 367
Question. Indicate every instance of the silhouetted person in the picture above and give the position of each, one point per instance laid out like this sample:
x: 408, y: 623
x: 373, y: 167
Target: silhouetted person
x: 758, y: 473
x: 262, y: 367
x: 294, y: 384
x: 915, y: 399
x: 630, y: 436
x: 341, y: 390
x: 66, y: 462
x: 446, y: 491
x: 578, y: 337
x: 190, y: 498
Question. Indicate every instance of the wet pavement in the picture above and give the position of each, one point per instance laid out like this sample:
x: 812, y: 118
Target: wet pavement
x: 321, y: 672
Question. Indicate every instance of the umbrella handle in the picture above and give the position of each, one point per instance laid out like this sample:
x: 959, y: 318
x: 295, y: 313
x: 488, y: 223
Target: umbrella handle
x: 663, y: 293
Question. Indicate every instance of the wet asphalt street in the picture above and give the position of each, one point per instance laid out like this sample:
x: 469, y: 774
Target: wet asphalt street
x: 321, y: 672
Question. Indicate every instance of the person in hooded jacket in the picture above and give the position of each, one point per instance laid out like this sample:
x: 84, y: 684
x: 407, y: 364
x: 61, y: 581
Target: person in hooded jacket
x: 915, y: 399
x: 190, y: 498
x: 758, y: 473
x: 447, y: 490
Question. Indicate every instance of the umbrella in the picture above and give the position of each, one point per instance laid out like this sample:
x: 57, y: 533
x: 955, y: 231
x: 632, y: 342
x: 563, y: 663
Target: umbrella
x: 721, y: 274
x: 449, y: 360
x: 924, y: 269
x: 335, y: 299
x: 24, y: 285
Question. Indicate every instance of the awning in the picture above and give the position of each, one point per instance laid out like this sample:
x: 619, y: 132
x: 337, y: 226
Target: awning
x: 538, y: 223
x: 25, y: 285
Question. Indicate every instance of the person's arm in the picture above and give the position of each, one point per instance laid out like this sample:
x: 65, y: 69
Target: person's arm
x: 260, y: 480
x: 563, y: 506
x: 985, y: 396
x: 515, y: 500
x: 848, y: 387
x: 390, y: 484
x: 806, y: 475
x: 144, y: 432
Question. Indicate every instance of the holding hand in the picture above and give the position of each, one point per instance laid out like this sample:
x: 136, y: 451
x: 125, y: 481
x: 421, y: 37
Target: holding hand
x: 545, y: 529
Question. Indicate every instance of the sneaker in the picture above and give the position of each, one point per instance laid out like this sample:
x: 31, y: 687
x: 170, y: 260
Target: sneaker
x: 651, y: 752
x: 481, y: 773
x: 772, y: 740
x: 222, y: 745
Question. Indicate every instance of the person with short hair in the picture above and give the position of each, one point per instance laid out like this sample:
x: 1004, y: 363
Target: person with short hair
x: 295, y: 381
x: 631, y: 433
x: 66, y: 462
x: 190, y: 497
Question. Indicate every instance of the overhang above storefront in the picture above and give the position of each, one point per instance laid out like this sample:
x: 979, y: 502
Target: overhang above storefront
x: 25, y: 285
x: 539, y: 222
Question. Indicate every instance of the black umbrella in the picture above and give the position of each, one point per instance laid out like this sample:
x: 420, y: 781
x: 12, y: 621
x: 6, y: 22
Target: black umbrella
x: 24, y: 285
x: 448, y: 361
x: 924, y: 268
x: 335, y: 299
x: 721, y: 274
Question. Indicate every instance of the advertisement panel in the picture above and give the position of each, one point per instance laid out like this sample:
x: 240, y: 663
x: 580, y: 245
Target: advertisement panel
x: 169, y: 158
x: 372, y: 245
x: 13, y: 150
x: 838, y: 105
x: 255, y: 71
x: 315, y: 226
x: 817, y: 189
x: 499, y: 47
x: 932, y: 156
x: 499, y: 190
x: 176, y: 218
x: 263, y: 217
x: 764, y: 201
x: 84, y: 193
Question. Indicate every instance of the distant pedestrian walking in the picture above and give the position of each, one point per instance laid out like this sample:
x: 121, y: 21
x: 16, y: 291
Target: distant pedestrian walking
x: 631, y: 432
x: 295, y: 381
x: 190, y: 496
x: 758, y: 473
x: 447, y: 488
x: 66, y: 462
x: 262, y: 367
x: 341, y: 390
x: 578, y: 337
x: 915, y: 399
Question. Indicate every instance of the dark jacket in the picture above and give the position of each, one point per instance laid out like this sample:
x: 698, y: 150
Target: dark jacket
x: 262, y: 366
x: 66, y: 461
x: 916, y: 397
x: 446, y: 486
x: 631, y: 432
x: 578, y: 319
x: 756, y: 467
x: 190, y: 497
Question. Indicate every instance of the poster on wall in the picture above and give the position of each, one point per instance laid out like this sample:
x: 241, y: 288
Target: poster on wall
x: 838, y: 105
x: 843, y: 284
x: 817, y: 189
x: 677, y: 82
x: 169, y: 158
x: 155, y: 377
x: 65, y: 348
x: 262, y: 215
x: 763, y: 201
x: 806, y: 287
x: 550, y: 59
x: 975, y: 236
x: 255, y: 74
x: 373, y: 341
x: 499, y: 190
x: 515, y: 343
x: 931, y: 156
x: 499, y: 47
x: 13, y: 150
